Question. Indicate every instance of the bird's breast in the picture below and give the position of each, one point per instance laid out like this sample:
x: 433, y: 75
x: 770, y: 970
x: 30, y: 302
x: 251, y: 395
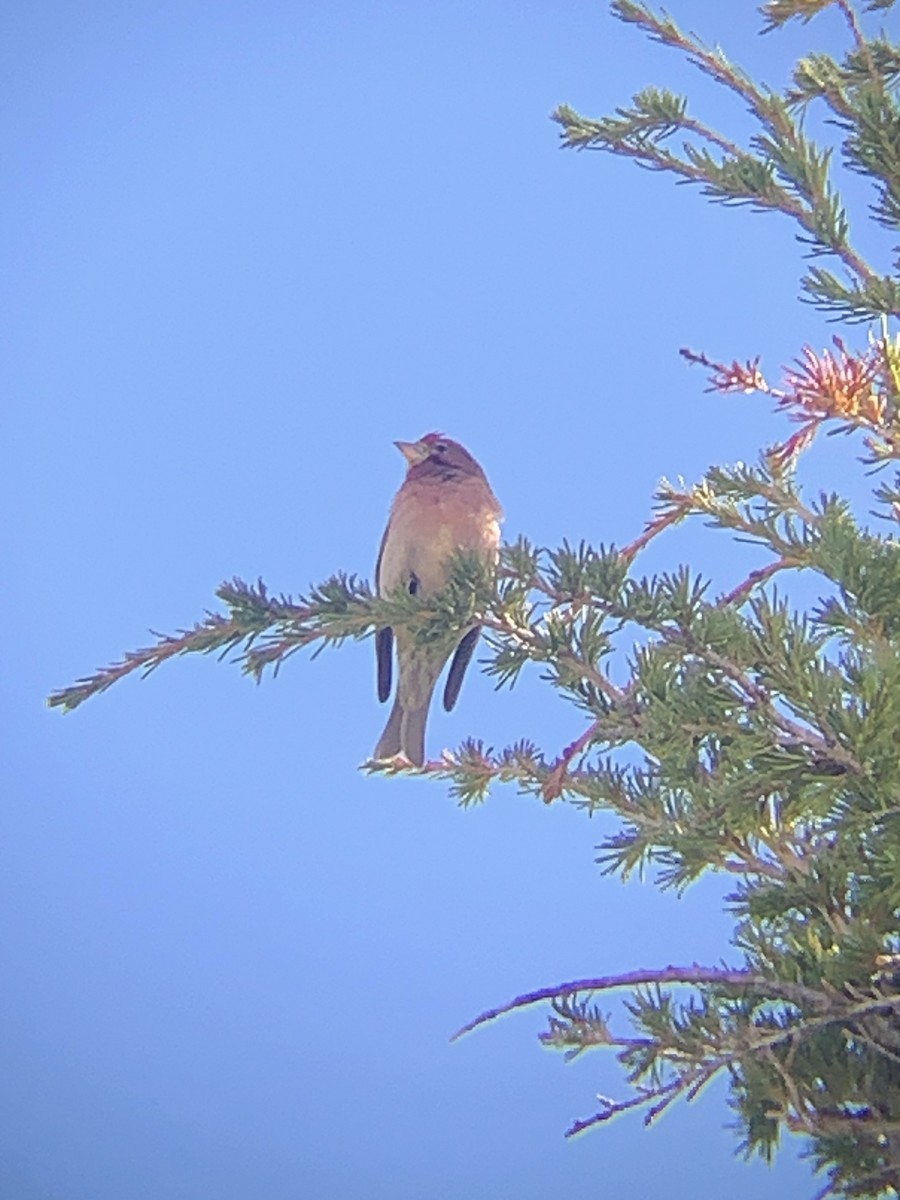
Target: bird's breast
x: 428, y: 527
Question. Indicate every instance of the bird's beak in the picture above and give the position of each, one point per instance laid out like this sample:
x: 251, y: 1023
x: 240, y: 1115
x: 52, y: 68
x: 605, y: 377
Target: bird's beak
x: 413, y: 452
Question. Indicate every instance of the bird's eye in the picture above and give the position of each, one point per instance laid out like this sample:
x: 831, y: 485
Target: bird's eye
x: 440, y: 447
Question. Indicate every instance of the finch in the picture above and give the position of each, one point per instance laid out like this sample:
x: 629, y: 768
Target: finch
x: 444, y: 505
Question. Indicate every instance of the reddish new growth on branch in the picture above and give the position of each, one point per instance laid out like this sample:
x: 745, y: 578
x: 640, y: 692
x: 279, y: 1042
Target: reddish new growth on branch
x: 738, y: 377
x: 834, y: 385
x: 837, y: 385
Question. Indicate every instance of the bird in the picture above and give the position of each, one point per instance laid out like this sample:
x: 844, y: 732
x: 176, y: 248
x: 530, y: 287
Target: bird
x: 444, y: 505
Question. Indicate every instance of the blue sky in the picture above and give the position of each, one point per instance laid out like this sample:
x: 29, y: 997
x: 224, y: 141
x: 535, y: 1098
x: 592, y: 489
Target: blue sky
x: 248, y: 246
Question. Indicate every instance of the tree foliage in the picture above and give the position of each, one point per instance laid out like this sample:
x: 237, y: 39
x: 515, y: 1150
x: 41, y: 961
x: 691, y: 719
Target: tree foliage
x: 747, y: 737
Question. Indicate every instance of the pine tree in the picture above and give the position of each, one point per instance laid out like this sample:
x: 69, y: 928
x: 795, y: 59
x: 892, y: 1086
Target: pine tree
x: 748, y: 737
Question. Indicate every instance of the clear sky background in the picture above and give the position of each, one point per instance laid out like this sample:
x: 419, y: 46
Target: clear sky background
x: 246, y: 246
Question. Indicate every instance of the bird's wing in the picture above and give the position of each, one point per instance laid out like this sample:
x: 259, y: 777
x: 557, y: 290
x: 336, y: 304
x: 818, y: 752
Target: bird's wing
x: 384, y: 538
x: 384, y: 656
x: 384, y: 638
x: 461, y: 659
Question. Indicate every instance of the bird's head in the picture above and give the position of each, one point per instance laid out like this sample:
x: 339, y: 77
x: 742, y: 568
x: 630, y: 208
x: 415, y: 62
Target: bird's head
x: 435, y: 453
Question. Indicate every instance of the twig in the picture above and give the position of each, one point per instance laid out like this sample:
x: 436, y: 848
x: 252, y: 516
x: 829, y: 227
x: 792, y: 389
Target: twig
x: 793, y: 993
x: 612, y: 1108
x: 653, y: 529
x: 215, y: 633
x: 754, y: 580
x: 553, y: 787
x: 859, y: 37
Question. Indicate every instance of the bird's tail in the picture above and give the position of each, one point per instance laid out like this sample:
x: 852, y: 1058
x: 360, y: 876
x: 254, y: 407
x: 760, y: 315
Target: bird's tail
x: 405, y: 733
x: 389, y: 742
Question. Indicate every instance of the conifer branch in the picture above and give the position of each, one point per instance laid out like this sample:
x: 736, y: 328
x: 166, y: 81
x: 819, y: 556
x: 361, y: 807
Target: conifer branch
x: 781, y: 170
x: 694, y: 975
